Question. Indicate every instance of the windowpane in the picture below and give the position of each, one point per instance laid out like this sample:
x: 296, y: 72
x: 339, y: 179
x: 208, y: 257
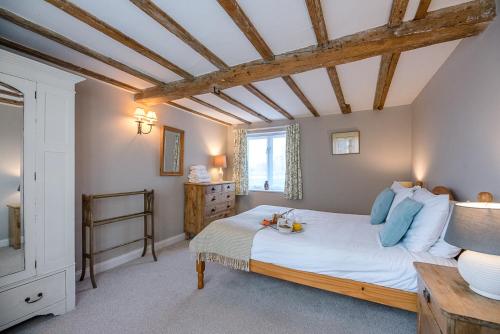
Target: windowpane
x: 257, y: 162
x: 279, y: 167
x: 266, y: 161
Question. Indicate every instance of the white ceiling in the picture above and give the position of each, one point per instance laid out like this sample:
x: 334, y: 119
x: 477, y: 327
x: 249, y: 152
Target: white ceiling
x: 283, y: 24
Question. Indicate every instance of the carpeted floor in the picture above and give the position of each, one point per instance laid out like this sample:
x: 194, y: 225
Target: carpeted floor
x: 147, y: 297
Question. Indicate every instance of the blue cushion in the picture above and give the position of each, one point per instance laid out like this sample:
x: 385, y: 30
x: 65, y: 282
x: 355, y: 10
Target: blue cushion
x: 399, y: 222
x: 381, y: 206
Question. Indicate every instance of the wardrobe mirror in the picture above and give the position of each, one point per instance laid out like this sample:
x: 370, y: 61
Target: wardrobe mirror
x: 11, y: 185
x: 172, y: 152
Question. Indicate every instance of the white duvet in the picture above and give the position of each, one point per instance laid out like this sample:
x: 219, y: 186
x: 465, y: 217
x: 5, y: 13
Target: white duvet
x: 340, y: 245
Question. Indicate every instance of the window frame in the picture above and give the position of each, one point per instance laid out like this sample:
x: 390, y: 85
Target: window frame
x: 269, y: 151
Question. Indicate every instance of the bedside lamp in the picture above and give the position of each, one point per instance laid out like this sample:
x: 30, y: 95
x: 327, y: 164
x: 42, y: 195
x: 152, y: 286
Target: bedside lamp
x: 475, y: 226
x: 220, y: 161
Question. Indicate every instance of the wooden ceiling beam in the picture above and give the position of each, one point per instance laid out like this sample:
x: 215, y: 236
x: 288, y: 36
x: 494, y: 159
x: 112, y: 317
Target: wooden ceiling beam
x: 335, y: 81
x: 10, y: 93
x: 317, y: 20
x: 252, y: 89
x: 295, y: 88
x: 66, y: 65
x: 52, y: 35
x: 447, y: 24
x: 211, y: 106
x: 16, y: 103
x: 178, y: 106
x: 389, y: 61
x: 240, y: 105
x: 423, y: 7
x: 246, y: 26
x: 175, y: 28
x: 78, y: 47
x: 155, y: 12
x: 319, y: 26
x: 117, y: 35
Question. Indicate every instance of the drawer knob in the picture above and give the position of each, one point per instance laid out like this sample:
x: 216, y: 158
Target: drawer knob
x: 228, y: 206
x: 213, y: 210
x: 228, y: 196
x: 213, y: 199
x: 29, y: 301
x: 213, y: 188
x: 427, y: 295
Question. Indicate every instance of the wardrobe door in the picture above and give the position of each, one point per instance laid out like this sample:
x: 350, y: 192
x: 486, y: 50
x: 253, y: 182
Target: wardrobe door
x: 55, y: 178
x: 17, y: 183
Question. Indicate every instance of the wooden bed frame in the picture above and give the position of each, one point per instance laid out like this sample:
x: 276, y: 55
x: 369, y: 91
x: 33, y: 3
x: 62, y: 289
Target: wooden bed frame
x: 375, y: 293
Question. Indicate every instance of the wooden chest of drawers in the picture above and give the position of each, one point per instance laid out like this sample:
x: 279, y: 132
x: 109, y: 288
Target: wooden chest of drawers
x: 446, y: 305
x: 206, y: 202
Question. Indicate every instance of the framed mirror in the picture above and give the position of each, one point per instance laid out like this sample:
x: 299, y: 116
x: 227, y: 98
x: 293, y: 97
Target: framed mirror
x: 172, y: 152
x: 345, y: 143
x: 12, y: 237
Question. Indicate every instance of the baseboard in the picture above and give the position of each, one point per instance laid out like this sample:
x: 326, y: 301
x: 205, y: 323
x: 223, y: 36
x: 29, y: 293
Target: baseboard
x: 132, y: 255
x: 5, y: 242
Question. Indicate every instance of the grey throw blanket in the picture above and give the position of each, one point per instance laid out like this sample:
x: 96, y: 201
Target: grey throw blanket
x: 229, y: 241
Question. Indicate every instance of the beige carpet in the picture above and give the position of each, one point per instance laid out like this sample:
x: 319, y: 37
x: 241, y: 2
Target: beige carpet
x: 147, y: 297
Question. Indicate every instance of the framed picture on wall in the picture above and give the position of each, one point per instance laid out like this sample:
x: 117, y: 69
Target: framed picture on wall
x: 345, y: 143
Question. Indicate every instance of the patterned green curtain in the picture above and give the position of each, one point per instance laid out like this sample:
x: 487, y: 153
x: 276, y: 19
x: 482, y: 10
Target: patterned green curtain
x: 240, y: 163
x: 293, y: 180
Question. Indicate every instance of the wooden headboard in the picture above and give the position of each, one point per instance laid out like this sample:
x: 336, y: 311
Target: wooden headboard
x: 442, y: 190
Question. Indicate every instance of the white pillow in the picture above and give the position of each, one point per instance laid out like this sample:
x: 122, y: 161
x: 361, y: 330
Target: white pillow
x: 429, y: 222
x: 441, y: 248
x: 401, y: 193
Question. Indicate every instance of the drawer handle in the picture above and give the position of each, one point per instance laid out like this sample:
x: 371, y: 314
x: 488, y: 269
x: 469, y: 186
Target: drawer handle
x: 228, y: 187
x: 228, y: 196
x: 228, y: 206
x: 213, y: 210
x: 427, y: 295
x: 213, y: 199
x: 213, y: 188
x: 29, y: 301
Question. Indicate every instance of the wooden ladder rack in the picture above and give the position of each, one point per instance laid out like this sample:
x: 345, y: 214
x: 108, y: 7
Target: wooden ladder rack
x: 89, y: 222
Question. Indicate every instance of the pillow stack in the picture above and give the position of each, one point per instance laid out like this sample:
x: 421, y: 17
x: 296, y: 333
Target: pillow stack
x: 415, y: 217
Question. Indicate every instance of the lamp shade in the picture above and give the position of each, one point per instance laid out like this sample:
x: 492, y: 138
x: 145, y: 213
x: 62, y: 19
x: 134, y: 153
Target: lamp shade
x: 220, y: 161
x: 139, y: 114
x: 151, y: 117
x: 475, y: 226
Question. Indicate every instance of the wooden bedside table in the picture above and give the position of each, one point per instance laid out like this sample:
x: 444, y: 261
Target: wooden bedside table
x: 447, y: 305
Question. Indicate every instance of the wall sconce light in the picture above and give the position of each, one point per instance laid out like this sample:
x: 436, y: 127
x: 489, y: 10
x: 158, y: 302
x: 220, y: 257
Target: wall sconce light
x: 141, y: 117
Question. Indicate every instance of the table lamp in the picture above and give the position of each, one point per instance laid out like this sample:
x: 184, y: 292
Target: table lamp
x: 220, y: 162
x: 475, y: 227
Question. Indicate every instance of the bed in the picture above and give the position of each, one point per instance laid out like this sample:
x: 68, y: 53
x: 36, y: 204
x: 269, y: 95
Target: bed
x: 339, y: 253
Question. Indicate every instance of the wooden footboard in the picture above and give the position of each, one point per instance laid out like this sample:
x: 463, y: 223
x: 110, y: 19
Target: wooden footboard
x: 378, y: 294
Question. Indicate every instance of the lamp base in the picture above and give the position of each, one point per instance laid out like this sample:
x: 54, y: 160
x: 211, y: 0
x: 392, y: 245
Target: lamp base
x: 482, y: 272
x: 221, y: 175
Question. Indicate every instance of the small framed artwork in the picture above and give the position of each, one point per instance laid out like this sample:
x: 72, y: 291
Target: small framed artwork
x: 345, y: 142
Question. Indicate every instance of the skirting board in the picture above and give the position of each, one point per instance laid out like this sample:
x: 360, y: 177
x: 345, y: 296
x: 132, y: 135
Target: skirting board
x: 132, y: 255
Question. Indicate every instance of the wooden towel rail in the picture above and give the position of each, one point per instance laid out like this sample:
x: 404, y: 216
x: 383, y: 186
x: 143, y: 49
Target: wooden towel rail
x: 89, y: 222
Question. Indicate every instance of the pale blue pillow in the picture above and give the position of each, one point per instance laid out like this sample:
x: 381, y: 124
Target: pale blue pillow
x: 381, y: 206
x: 399, y: 222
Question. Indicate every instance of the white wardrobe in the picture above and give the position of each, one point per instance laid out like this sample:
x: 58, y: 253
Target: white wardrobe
x: 37, y: 272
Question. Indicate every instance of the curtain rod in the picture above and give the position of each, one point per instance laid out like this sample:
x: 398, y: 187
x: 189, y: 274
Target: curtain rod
x: 268, y: 128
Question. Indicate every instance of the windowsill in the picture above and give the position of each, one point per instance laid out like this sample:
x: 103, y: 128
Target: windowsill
x: 266, y: 191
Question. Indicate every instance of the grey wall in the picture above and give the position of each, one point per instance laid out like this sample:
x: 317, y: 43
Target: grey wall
x: 11, y: 125
x: 456, y: 120
x: 111, y: 157
x: 348, y: 183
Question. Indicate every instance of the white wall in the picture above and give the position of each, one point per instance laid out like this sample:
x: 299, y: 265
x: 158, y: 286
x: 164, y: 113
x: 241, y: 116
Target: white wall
x: 456, y: 120
x: 11, y: 127
x: 111, y: 157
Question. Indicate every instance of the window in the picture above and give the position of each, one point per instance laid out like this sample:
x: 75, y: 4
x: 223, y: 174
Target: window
x: 266, y: 161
